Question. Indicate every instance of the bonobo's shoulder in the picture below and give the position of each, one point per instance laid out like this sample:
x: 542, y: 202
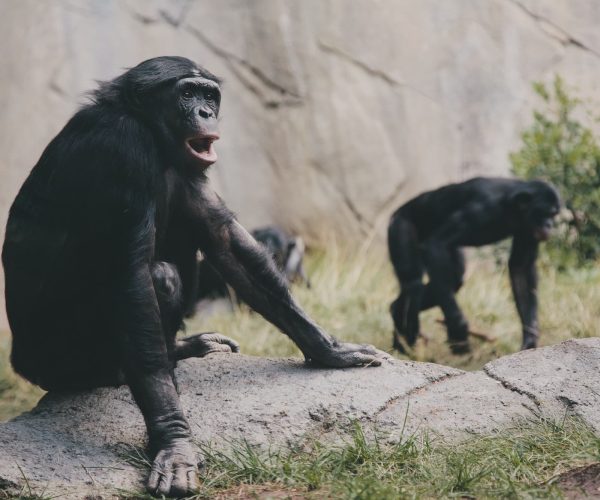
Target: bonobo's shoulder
x: 484, y: 188
x: 104, y: 137
x: 102, y: 122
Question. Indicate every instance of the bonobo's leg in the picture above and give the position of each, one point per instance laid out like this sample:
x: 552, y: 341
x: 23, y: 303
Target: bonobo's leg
x: 408, y: 266
x: 457, y: 257
x: 442, y: 284
x: 168, y: 288
x: 69, y: 343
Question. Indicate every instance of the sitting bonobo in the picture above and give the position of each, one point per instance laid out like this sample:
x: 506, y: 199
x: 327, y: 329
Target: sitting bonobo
x: 100, y: 255
x: 426, y: 234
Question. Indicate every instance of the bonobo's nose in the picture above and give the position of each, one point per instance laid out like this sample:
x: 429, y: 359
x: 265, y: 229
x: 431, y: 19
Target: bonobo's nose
x: 206, y: 113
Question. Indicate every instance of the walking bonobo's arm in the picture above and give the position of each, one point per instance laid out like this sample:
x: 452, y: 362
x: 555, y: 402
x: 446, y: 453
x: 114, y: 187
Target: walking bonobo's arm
x: 523, y: 279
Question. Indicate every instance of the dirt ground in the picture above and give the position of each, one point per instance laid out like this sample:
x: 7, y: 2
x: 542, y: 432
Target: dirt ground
x: 582, y: 482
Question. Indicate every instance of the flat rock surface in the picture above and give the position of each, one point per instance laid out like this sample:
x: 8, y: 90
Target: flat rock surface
x: 563, y: 377
x: 76, y: 444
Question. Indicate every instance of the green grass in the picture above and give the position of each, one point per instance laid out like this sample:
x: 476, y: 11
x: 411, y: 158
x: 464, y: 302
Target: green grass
x: 520, y: 463
x: 523, y: 462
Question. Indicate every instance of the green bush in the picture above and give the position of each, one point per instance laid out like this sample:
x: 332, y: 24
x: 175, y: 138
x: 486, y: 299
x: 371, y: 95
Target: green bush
x: 559, y: 147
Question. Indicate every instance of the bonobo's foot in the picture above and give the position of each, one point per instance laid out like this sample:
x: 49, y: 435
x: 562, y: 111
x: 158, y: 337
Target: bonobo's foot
x: 405, y: 329
x: 529, y: 341
x: 201, y: 344
x: 459, y: 346
x: 174, y: 471
x: 343, y: 354
x: 458, y: 336
x: 402, y: 343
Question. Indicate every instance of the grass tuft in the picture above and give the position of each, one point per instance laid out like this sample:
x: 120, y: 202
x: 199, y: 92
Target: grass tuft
x: 521, y: 462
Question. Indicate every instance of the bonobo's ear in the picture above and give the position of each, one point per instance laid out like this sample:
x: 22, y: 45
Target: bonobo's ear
x: 521, y: 200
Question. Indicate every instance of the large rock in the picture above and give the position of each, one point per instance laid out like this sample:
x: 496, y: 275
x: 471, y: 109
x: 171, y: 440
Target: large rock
x: 75, y: 444
x: 333, y: 114
x: 566, y: 377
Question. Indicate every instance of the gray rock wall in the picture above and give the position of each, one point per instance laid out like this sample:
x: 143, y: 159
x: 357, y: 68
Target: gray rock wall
x: 335, y: 111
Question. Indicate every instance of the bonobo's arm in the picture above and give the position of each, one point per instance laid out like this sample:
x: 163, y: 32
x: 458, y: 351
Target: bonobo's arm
x: 523, y: 279
x: 251, y: 272
x: 147, y: 368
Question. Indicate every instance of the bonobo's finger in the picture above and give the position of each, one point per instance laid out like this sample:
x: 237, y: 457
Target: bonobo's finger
x: 181, y: 486
x: 192, y: 478
x: 370, y: 350
x: 364, y: 348
x: 359, y: 358
x: 377, y: 352
x: 235, y: 347
x: 164, y: 486
x: 222, y: 339
x: 216, y: 347
x: 153, y: 479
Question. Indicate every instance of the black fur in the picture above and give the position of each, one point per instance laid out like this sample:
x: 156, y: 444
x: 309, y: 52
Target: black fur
x: 100, y: 254
x: 426, y: 234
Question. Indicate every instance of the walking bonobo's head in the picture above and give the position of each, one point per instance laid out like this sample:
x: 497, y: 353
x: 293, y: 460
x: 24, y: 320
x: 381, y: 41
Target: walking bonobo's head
x: 538, y: 203
x: 178, y: 99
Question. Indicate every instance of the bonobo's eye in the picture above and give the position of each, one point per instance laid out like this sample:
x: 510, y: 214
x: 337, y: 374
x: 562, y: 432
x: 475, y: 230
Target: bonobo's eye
x: 187, y: 93
x: 211, y: 95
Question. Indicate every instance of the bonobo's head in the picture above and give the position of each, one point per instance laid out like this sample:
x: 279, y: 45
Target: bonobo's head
x: 537, y: 203
x: 178, y: 99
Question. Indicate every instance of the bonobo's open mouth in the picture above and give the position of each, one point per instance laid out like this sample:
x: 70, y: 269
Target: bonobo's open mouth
x: 201, y: 148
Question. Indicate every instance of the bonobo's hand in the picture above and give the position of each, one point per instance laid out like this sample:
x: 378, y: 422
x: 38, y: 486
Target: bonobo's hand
x: 175, y: 470
x: 201, y: 344
x: 342, y: 354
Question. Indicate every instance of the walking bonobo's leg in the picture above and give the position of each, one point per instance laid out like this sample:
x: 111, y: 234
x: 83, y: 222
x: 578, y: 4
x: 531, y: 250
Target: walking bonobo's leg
x: 442, y: 286
x: 408, y: 266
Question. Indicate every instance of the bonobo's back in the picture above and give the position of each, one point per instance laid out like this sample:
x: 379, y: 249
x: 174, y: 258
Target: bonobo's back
x: 432, y: 208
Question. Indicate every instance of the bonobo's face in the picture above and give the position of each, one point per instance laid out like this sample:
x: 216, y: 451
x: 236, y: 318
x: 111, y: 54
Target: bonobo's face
x: 197, y: 101
x: 542, y: 220
x: 542, y: 206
